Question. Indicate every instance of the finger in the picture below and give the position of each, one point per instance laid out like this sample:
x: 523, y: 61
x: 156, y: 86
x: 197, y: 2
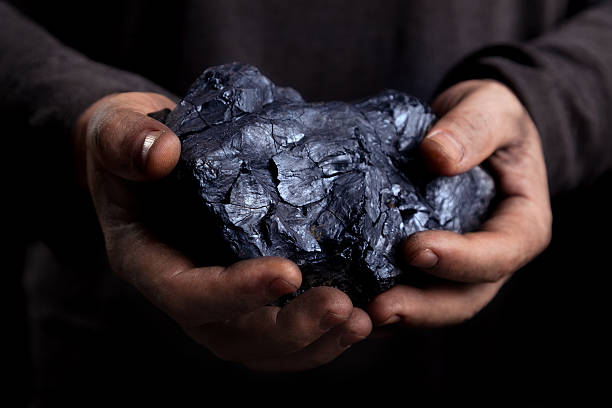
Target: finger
x: 437, y: 306
x: 194, y: 296
x: 471, y: 127
x: 325, y: 349
x: 127, y: 143
x: 190, y: 295
x: 516, y: 232
x: 273, y: 331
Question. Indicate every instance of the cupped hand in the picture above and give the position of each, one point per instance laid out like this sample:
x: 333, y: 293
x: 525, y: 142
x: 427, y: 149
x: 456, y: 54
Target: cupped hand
x: 480, y: 120
x: 223, y: 308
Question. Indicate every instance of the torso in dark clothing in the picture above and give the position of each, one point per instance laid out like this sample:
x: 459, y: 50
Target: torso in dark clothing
x: 342, y: 49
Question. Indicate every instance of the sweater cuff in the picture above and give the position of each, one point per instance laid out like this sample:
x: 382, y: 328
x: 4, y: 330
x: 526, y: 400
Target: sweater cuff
x: 66, y: 97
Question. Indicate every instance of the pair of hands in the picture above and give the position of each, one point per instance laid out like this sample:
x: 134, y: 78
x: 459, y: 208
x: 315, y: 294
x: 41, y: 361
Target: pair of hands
x: 223, y: 308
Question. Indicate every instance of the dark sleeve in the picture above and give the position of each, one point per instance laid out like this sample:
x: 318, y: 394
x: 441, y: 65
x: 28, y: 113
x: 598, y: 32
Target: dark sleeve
x: 564, y: 78
x: 46, y: 84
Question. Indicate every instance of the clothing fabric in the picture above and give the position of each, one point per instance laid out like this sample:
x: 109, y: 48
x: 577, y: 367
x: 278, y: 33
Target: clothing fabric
x: 554, y: 53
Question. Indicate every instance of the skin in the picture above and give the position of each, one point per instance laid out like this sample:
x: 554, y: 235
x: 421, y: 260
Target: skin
x: 223, y: 308
x: 479, y: 120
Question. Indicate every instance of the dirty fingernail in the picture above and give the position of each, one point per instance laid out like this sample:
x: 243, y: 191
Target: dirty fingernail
x: 279, y: 287
x: 447, y: 145
x: 424, y: 259
x: 331, y: 320
x: 349, y: 338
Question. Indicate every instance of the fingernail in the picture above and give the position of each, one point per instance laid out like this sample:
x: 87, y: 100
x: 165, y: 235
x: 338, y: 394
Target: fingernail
x: 424, y: 259
x: 447, y: 145
x: 349, y: 338
x: 393, y: 319
x: 279, y: 287
x: 331, y: 320
x: 148, y: 142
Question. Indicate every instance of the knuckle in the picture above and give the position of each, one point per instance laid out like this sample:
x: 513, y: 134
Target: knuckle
x: 359, y: 323
x: 250, y: 275
x: 103, y: 123
x: 383, y: 311
x: 488, y: 86
x: 325, y: 299
x: 291, y: 271
x: 420, y: 240
x: 285, y: 269
x: 470, y: 123
x: 112, y: 139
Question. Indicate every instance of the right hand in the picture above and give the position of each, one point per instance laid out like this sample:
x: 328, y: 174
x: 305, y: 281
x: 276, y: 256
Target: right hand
x: 223, y: 308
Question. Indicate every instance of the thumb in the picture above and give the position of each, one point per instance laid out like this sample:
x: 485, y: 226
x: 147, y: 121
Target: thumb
x: 124, y: 141
x: 475, y: 121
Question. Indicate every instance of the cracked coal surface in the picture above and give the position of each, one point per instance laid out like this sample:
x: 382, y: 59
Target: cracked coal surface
x: 333, y: 186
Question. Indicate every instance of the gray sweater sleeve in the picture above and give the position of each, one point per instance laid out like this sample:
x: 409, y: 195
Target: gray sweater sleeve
x: 48, y: 84
x: 564, y: 78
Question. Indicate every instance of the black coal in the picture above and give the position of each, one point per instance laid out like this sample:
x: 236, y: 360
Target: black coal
x: 332, y: 186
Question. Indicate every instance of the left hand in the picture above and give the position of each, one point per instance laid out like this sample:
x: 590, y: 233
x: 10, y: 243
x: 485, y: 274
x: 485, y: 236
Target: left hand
x: 479, y: 120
